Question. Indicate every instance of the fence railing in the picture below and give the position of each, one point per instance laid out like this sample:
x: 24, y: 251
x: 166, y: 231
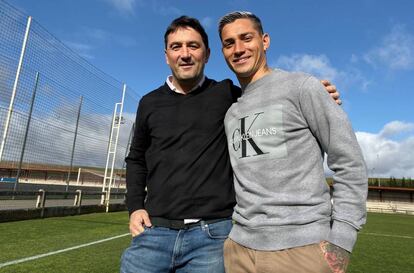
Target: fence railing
x: 43, y: 198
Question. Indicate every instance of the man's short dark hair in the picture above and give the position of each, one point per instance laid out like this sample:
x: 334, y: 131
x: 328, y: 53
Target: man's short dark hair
x: 233, y: 16
x: 186, y: 22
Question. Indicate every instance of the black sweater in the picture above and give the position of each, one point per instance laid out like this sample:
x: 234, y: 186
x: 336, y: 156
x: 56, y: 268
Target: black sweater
x: 179, y: 152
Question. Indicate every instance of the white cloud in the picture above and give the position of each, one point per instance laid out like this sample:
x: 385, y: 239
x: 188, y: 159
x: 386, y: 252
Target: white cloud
x: 320, y: 66
x: 396, y: 50
x: 317, y: 65
x: 124, y: 6
x: 384, y: 156
x: 82, y: 49
x: 395, y: 128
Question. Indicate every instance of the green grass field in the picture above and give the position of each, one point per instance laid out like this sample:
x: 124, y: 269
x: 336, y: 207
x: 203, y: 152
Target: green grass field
x: 386, y: 244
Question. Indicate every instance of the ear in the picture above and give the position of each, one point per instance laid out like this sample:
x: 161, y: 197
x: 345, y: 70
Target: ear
x: 266, y: 41
x: 207, y: 55
x: 166, y: 57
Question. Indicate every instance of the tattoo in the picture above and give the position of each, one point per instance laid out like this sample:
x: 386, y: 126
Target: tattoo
x: 336, y: 257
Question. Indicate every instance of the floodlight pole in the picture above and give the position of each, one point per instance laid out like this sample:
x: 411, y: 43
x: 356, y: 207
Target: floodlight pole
x: 16, y: 81
x: 112, y: 151
x: 108, y: 156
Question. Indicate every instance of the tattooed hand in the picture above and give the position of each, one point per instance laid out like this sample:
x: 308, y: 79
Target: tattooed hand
x: 336, y: 257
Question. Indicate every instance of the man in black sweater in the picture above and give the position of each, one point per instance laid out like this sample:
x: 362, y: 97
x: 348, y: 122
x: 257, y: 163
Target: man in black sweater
x: 179, y: 179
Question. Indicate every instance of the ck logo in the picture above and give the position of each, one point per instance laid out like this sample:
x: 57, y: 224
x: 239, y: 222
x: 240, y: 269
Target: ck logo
x: 243, y: 137
x: 256, y: 135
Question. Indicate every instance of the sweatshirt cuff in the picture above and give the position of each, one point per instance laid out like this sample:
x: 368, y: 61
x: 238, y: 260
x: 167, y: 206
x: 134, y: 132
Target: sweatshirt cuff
x: 343, y: 235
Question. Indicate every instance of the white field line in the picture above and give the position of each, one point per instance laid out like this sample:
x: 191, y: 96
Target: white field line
x: 387, y: 235
x: 61, y: 250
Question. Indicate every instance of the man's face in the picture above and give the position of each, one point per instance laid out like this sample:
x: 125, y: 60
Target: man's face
x: 186, y: 55
x: 244, y: 48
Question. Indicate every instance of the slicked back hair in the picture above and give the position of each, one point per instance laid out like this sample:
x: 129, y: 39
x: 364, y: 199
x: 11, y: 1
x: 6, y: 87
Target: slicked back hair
x: 186, y: 22
x: 233, y: 16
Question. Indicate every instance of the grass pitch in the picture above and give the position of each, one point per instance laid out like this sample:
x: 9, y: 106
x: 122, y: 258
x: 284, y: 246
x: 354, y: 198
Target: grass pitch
x: 385, y: 245
x: 33, y: 237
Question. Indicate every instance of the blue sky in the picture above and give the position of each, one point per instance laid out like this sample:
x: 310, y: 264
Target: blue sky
x: 365, y: 47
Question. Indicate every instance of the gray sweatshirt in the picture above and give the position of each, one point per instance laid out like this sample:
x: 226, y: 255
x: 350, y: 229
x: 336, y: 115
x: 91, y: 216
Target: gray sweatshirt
x: 277, y: 133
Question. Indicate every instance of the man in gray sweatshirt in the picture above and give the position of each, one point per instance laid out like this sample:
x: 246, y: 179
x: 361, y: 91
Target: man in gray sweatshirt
x: 278, y: 132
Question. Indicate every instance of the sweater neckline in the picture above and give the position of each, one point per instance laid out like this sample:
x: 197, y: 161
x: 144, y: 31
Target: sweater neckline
x: 197, y: 90
x: 252, y: 87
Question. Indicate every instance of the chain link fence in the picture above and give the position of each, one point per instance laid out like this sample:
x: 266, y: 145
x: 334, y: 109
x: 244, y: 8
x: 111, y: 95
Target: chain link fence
x: 56, y: 108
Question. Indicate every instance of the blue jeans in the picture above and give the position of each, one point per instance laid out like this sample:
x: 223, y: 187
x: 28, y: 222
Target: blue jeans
x: 163, y: 250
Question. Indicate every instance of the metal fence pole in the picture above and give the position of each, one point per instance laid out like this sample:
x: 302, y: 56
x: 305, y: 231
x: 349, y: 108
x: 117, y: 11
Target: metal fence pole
x: 29, y: 118
x: 79, y: 174
x: 41, y: 201
x: 108, y: 156
x: 74, y: 143
x: 16, y: 81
